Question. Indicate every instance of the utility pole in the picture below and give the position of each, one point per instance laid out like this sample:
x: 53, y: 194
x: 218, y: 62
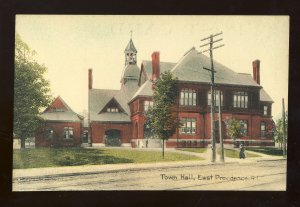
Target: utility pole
x: 212, y: 85
x: 220, y: 129
x: 283, y: 129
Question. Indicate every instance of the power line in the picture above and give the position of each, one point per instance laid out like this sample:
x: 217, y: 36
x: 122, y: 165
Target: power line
x: 212, y: 104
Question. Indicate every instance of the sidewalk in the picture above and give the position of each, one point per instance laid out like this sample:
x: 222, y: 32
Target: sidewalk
x: 96, y: 169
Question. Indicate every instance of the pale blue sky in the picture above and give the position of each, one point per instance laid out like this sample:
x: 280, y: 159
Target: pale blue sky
x: 68, y: 45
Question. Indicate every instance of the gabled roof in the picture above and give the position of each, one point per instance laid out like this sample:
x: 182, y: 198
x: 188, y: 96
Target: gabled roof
x: 99, y: 98
x: 190, y: 69
x: 59, y: 110
x: 130, y: 47
x: 112, y: 102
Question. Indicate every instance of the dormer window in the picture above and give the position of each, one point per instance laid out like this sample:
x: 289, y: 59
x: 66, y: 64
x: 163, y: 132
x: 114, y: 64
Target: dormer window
x: 112, y: 109
x: 57, y: 110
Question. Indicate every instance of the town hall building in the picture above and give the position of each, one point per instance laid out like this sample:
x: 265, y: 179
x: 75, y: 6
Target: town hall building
x: 117, y: 117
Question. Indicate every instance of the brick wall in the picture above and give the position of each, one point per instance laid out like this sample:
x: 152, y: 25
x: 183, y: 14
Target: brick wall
x: 58, y: 139
x: 98, y: 131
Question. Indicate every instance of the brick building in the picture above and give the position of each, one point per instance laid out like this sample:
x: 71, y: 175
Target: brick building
x: 116, y: 117
x: 61, y: 127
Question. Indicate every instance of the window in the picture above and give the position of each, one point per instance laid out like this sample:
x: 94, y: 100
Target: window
x: 57, y: 109
x: 216, y: 98
x: 112, y: 109
x: 244, y: 123
x: 262, y: 129
x: 49, y: 133
x: 147, y: 104
x: 265, y: 110
x: 188, y: 97
x: 68, y: 132
x: 188, y: 126
x: 240, y: 100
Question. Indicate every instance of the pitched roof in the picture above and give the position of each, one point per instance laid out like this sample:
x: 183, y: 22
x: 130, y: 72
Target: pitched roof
x: 264, y: 96
x: 110, y: 117
x: 99, y: 98
x: 60, y: 111
x: 144, y: 90
x: 190, y: 69
x: 130, y: 47
x: 164, y: 66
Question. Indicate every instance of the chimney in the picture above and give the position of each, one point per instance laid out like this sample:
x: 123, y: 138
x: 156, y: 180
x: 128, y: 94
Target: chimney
x: 256, y: 71
x: 155, y: 66
x: 90, y: 78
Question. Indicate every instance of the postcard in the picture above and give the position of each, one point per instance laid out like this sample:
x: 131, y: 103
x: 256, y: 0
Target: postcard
x: 157, y: 102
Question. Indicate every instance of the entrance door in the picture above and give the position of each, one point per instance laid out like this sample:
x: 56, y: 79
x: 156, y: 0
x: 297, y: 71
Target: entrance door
x: 85, y: 136
x: 148, y: 134
x: 113, y: 138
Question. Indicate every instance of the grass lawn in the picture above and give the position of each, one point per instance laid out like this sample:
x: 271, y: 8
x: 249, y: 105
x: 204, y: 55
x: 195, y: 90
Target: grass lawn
x: 197, y: 150
x: 54, y: 157
x: 236, y: 153
x: 265, y: 150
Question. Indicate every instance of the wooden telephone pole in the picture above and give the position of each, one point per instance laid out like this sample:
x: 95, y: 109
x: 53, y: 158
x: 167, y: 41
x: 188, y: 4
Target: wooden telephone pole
x: 220, y: 129
x: 212, y: 86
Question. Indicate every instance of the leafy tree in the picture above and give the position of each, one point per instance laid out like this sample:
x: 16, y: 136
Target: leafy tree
x: 235, y: 129
x: 161, y: 119
x: 30, y: 91
x: 278, y: 134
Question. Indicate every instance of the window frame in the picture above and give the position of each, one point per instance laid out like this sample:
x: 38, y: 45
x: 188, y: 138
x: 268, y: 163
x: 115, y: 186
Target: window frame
x: 265, y: 110
x: 240, y: 100
x: 188, y: 97
x: 263, y: 132
x: 112, y: 109
x: 216, y: 98
x: 49, y: 135
x: 189, y: 126
x: 244, y: 121
x: 68, y: 132
x: 147, y: 104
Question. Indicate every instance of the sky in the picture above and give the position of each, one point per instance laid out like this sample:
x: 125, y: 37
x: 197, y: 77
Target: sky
x: 68, y: 45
